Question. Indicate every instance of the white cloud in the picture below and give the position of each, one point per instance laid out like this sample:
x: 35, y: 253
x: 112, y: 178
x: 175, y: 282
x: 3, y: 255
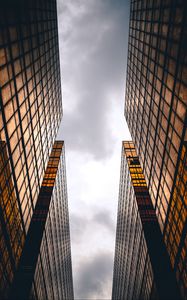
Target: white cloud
x: 93, y: 46
x: 94, y: 276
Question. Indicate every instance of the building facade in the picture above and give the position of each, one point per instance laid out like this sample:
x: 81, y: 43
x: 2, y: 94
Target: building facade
x: 155, y: 109
x: 45, y: 263
x: 141, y: 265
x: 30, y: 115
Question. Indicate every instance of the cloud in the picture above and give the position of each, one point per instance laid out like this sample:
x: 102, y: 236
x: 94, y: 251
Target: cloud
x: 79, y: 225
x: 93, y: 64
x: 82, y: 224
x: 93, y: 49
x: 104, y: 218
x: 94, y: 279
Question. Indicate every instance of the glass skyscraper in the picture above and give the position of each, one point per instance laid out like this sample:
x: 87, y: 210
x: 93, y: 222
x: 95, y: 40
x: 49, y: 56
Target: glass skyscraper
x: 155, y: 109
x: 141, y: 266
x: 30, y: 115
x: 45, y: 263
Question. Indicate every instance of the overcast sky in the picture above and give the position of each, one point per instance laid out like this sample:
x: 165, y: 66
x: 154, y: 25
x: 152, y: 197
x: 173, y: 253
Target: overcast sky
x: 93, y: 36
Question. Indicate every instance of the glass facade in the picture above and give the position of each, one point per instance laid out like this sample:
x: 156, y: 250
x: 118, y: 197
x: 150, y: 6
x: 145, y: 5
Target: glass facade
x: 11, y: 232
x: 45, y: 263
x: 155, y: 109
x: 30, y: 94
x: 141, y: 265
x: 54, y: 267
x: 30, y: 115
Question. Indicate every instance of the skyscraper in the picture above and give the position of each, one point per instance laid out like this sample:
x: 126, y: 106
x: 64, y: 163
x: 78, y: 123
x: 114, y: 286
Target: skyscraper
x: 155, y: 109
x: 45, y: 263
x: 30, y: 114
x: 141, y: 266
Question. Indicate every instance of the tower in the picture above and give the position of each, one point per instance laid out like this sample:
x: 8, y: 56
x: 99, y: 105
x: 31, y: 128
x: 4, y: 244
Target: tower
x: 155, y: 109
x: 30, y: 115
x: 141, y: 266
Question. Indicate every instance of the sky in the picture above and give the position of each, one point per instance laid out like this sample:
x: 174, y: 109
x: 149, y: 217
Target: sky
x: 93, y: 41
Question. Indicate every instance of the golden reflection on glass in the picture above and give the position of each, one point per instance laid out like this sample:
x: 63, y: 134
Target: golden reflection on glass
x: 135, y: 169
x: 11, y: 219
x: 176, y: 222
